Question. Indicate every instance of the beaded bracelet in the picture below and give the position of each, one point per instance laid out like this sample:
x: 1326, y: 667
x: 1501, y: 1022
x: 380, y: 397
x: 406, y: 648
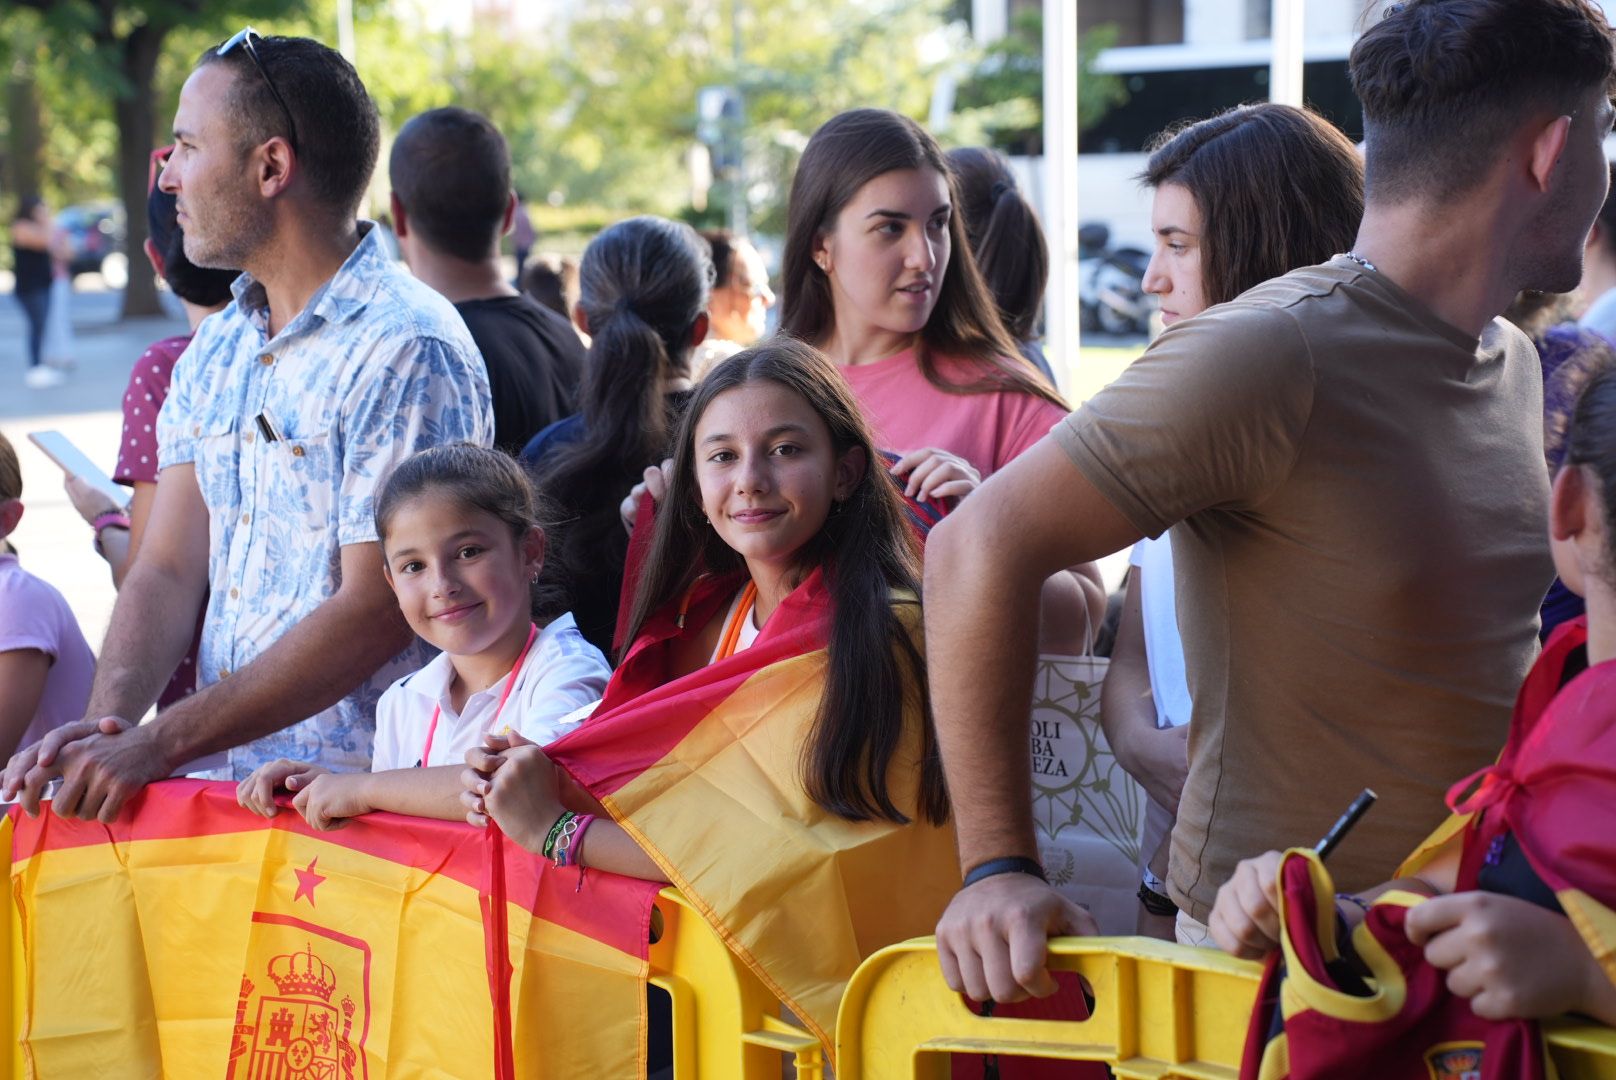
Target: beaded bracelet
x: 548, y: 849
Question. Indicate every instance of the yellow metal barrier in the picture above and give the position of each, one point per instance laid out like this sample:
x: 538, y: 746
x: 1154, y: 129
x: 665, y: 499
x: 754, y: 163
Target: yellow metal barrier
x: 1160, y: 1010
x: 726, y: 1023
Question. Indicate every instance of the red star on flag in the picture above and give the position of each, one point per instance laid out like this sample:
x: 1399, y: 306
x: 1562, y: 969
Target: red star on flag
x: 307, y: 882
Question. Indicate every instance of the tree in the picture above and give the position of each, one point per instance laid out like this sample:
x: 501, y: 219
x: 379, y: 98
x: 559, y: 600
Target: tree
x: 1003, y: 100
x: 114, y: 47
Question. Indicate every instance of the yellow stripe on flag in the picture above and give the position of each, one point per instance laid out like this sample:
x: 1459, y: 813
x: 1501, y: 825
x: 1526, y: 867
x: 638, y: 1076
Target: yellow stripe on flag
x: 801, y: 895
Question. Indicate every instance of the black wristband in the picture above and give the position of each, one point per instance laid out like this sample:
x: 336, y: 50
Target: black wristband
x: 1010, y: 864
x: 1158, y: 904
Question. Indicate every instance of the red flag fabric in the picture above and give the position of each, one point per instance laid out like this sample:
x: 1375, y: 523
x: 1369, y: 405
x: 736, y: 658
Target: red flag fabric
x: 1316, y: 1019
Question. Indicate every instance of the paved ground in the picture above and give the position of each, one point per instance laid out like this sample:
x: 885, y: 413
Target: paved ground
x: 54, y: 542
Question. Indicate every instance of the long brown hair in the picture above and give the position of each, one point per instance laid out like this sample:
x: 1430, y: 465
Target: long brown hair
x: 642, y: 284
x: 1261, y: 222
x: 1007, y: 239
x: 847, y: 152
x: 866, y: 550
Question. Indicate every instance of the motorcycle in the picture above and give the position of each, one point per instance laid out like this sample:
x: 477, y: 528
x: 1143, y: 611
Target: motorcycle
x: 1111, y: 295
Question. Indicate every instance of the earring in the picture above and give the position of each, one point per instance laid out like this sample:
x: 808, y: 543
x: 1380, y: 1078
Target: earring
x: 534, y: 580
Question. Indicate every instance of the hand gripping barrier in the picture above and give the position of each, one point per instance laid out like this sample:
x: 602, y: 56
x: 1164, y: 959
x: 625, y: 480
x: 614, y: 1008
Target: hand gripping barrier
x: 1160, y: 1010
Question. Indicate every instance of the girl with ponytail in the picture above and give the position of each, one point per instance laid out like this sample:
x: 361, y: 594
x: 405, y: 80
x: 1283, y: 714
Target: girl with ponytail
x: 1007, y: 240
x: 643, y: 290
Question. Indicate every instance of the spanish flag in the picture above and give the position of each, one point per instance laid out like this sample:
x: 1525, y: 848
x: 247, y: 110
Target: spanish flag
x: 192, y: 939
x: 704, y: 771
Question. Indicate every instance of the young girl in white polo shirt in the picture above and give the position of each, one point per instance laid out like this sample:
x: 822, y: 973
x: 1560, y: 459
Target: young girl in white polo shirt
x: 463, y: 548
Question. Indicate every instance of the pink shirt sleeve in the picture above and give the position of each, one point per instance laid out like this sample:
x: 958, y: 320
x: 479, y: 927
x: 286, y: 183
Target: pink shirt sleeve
x: 1026, y: 419
x: 142, y: 400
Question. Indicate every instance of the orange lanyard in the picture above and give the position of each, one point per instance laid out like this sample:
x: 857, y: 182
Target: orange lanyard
x: 437, y: 710
x: 732, y: 632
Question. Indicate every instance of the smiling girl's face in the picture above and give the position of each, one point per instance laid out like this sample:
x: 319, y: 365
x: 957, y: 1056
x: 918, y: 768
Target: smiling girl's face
x: 767, y: 471
x: 886, y: 255
x: 460, y: 575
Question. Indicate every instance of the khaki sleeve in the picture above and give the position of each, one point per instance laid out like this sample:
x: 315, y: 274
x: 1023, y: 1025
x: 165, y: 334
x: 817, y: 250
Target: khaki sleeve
x: 1211, y: 416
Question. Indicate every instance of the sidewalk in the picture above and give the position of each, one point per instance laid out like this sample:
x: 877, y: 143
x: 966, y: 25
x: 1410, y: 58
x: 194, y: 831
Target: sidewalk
x: 52, y: 540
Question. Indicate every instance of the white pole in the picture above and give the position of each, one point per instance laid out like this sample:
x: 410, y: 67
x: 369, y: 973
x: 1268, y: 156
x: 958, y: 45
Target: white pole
x: 1285, y: 67
x: 1061, y: 339
x: 345, y: 42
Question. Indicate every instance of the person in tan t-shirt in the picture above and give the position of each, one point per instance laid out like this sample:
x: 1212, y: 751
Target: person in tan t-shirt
x: 1351, y: 455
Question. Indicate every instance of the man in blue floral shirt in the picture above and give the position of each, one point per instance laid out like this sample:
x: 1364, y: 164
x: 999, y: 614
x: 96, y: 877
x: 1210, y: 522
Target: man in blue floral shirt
x: 286, y: 413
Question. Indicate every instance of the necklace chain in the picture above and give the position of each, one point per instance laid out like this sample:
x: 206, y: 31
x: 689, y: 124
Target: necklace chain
x: 1363, y: 262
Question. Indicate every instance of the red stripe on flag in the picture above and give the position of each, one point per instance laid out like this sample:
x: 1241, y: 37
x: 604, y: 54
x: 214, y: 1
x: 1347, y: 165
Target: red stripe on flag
x: 497, y: 951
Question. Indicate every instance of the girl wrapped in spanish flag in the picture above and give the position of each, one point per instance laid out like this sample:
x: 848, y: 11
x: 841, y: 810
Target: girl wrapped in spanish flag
x: 766, y: 743
x: 1507, y: 913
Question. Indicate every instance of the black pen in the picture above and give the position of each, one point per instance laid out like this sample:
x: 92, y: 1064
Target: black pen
x: 1344, y: 824
x: 268, y: 428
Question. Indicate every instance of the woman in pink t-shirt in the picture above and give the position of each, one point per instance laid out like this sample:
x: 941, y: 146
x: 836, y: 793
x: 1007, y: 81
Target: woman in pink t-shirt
x: 877, y: 274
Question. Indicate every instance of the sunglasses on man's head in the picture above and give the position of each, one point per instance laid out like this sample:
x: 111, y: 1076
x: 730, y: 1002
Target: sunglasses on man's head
x: 245, y: 38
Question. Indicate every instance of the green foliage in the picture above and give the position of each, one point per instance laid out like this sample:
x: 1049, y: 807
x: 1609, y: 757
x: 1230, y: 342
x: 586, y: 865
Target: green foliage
x: 1002, y: 102
x: 598, y: 104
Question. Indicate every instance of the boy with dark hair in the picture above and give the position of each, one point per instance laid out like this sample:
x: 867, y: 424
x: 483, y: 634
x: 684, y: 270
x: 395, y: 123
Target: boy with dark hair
x: 452, y: 201
x: 1351, y: 460
x: 289, y: 408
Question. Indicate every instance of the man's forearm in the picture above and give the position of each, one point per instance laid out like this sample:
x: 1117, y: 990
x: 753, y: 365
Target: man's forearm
x: 314, y: 665
x: 981, y: 648
x: 153, y: 623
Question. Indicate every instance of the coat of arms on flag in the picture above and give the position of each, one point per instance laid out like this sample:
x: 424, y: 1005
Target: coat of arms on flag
x: 1455, y: 1061
x: 303, y: 1015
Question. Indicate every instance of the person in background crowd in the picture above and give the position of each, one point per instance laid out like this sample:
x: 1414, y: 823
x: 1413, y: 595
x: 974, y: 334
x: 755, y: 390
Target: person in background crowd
x: 45, y: 664
x: 118, y: 536
x: 1007, y: 240
x: 739, y: 308
x: 284, y: 414
x: 523, y: 234
x: 57, y: 350
x: 1598, y: 286
x: 1356, y: 450
x: 31, y: 269
x: 643, y: 302
x: 877, y: 274
x: 451, y: 172
x: 1569, y: 353
x: 464, y: 547
x: 1209, y: 201
x: 552, y: 283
